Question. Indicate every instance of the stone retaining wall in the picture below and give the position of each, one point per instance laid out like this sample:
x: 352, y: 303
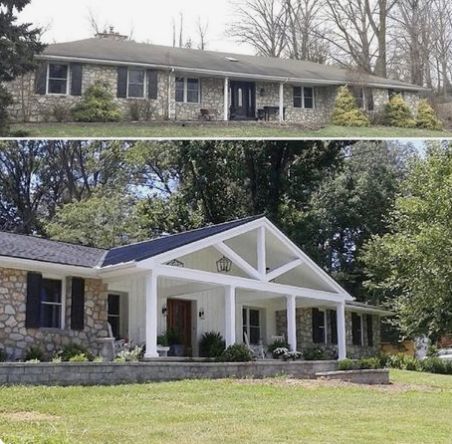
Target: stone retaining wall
x: 112, y: 373
x: 369, y: 377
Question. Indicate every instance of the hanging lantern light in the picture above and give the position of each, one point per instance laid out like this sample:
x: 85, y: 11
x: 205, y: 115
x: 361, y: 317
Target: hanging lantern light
x: 224, y: 265
x: 176, y: 263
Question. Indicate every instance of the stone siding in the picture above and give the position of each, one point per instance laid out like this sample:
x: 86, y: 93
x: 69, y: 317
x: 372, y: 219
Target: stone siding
x: 31, y: 107
x: 67, y: 374
x: 15, y: 338
x: 304, y: 334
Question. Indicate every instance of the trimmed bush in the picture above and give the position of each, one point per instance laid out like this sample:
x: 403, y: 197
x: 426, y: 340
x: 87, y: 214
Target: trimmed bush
x: 346, y: 111
x: 97, y: 105
x: 346, y: 364
x: 314, y: 354
x: 426, y: 117
x: 212, y: 345
x: 34, y: 353
x: 397, y: 113
x: 236, y: 353
x: 277, y: 344
x: 73, y: 350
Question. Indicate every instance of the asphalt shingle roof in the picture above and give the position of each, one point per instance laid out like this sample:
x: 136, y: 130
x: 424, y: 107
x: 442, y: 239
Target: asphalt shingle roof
x: 145, y: 250
x: 44, y: 250
x: 109, y: 51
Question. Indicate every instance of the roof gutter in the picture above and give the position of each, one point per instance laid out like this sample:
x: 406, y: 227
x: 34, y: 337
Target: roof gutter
x: 211, y: 72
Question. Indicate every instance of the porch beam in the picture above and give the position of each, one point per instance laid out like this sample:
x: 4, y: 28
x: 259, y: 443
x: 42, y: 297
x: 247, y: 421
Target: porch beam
x: 237, y: 260
x: 248, y: 284
x: 341, y: 332
x: 229, y: 318
x: 283, y: 270
x: 281, y: 102
x: 226, y: 99
x: 151, y: 315
x: 261, y: 252
x: 292, y: 322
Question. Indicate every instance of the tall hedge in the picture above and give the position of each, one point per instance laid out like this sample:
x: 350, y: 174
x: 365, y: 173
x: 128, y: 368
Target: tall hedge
x: 346, y: 111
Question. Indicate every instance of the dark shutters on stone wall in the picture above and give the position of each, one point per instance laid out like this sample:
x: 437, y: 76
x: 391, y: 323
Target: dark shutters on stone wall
x: 78, y: 304
x: 122, y: 82
x: 76, y: 79
x: 41, y: 79
x: 318, y: 326
x: 356, y: 329
x: 33, y: 309
x: 370, y: 330
x: 152, y: 84
x: 333, y: 326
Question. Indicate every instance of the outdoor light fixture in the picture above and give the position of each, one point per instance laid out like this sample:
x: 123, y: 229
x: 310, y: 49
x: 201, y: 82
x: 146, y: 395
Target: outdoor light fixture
x: 201, y: 314
x: 164, y: 310
x: 224, y: 265
x: 176, y: 263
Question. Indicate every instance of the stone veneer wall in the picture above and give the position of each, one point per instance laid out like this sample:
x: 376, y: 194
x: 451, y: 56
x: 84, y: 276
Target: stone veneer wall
x: 31, y: 107
x: 15, y: 338
x: 304, y: 334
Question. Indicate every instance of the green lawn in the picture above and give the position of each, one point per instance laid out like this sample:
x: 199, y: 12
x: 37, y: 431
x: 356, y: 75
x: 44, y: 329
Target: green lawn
x: 132, y: 130
x: 416, y: 408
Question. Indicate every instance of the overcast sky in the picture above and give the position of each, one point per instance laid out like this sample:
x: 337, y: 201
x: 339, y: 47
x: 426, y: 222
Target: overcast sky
x: 151, y: 20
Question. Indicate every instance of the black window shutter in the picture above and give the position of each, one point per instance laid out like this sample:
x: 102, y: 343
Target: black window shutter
x: 122, y: 82
x: 370, y: 330
x: 76, y: 79
x: 333, y: 324
x: 41, y: 79
x: 153, y: 84
x: 33, y: 309
x: 78, y: 304
x: 356, y: 329
x: 318, y: 330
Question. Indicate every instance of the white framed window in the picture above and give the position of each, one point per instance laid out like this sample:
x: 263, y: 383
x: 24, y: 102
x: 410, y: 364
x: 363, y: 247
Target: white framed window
x: 136, y: 83
x: 57, y: 79
x: 303, y: 97
x: 364, y: 98
x: 252, y: 323
x: 187, y: 90
x: 53, y: 300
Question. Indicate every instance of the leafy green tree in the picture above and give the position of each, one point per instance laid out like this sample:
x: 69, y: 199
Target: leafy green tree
x: 103, y: 220
x: 411, y: 266
x: 18, y: 45
x: 349, y: 207
x: 346, y: 111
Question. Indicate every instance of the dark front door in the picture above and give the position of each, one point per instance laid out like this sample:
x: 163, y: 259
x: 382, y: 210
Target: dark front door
x: 243, y: 100
x: 179, y: 321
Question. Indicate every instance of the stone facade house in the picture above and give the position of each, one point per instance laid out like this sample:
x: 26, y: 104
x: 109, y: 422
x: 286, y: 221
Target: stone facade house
x: 244, y: 279
x: 178, y: 84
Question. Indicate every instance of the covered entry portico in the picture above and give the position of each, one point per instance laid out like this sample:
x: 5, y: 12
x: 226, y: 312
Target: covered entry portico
x: 230, y: 273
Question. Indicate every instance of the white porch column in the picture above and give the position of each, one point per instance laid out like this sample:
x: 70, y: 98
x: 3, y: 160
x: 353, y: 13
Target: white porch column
x: 341, y: 335
x: 281, y: 102
x: 229, y: 315
x: 151, y: 315
x: 292, y: 322
x: 226, y: 99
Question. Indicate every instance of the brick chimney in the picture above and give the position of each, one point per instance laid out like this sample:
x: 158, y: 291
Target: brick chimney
x: 111, y: 34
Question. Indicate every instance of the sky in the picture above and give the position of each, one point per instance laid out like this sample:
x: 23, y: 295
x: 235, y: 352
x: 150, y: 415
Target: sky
x: 151, y: 20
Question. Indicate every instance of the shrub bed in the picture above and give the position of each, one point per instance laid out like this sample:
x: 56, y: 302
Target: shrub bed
x: 428, y: 365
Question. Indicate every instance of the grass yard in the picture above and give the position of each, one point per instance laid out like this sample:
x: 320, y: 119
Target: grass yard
x: 417, y: 408
x: 133, y: 130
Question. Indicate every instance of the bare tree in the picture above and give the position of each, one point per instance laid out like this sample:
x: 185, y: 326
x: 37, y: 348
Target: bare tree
x: 261, y: 24
x: 181, y: 30
x: 202, y: 33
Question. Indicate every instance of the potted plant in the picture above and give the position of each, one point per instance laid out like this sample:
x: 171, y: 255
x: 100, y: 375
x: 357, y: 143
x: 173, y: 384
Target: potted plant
x: 174, y: 341
x: 162, y: 346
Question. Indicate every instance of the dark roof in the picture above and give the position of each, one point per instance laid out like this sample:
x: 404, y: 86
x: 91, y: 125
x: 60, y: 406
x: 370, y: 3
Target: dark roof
x: 145, y: 250
x: 220, y: 63
x: 43, y: 250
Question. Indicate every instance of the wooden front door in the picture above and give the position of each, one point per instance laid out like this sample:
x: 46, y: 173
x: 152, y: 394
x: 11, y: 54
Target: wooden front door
x: 179, y: 319
x: 243, y: 100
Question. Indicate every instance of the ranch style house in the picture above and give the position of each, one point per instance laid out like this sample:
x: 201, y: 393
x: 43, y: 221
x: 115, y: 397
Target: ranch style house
x: 179, y: 84
x: 244, y: 279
